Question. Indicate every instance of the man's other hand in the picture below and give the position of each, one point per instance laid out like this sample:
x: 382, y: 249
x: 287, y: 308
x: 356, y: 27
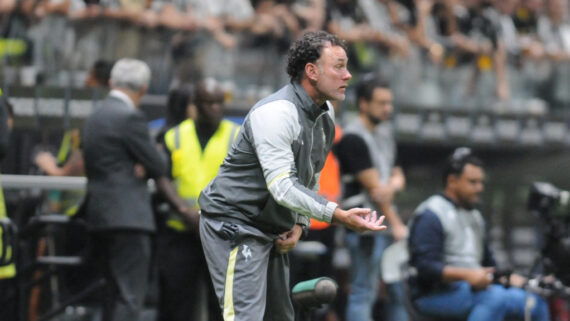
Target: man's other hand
x: 480, y: 278
x: 517, y: 280
x: 288, y: 240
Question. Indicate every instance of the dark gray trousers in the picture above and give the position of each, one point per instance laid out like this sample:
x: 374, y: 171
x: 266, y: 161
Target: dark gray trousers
x: 250, y: 278
x: 124, y: 258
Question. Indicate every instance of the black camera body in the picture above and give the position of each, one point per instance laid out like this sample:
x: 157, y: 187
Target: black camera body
x: 552, y: 206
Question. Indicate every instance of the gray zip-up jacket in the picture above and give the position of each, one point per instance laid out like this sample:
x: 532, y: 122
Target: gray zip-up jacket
x: 270, y: 176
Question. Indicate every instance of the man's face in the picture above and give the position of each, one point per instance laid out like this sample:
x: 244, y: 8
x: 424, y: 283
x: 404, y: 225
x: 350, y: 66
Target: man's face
x: 210, y: 105
x: 333, y: 75
x: 468, y: 186
x: 379, y: 108
x: 91, y: 81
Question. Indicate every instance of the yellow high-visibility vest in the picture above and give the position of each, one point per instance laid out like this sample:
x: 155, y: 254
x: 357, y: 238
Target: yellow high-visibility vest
x: 192, y: 167
x: 70, y: 200
x: 8, y: 271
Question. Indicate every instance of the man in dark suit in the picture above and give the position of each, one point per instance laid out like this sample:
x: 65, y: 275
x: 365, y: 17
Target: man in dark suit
x: 118, y: 209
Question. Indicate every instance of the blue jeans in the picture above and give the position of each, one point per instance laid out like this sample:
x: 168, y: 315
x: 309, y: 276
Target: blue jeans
x: 366, y: 256
x: 495, y: 303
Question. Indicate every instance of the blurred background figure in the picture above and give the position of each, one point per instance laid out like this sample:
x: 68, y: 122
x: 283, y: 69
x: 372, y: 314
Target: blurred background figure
x: 367, y: 155
x: 117, y: 206
x: 449, y: 248
x: 428, y: 45
x: 553, y: 29
x: 99, y: 74
x: 196, y: 147
x: 69, y: 159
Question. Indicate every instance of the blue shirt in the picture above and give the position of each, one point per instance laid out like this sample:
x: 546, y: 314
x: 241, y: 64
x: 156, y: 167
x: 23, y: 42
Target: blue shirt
x: 455, y: 241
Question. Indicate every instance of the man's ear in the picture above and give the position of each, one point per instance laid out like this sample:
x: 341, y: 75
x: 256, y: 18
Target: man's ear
x: 312, y: 71
x: 143, y: 90
x: 452, y: 179
x: 362, y: 104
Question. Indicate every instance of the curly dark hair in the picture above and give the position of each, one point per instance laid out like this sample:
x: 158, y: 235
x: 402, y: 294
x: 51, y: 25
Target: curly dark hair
x: 308, y: 49
x: 455, y: 163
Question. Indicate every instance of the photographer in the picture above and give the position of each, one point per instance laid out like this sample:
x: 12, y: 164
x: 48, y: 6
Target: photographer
x: 450, y: 250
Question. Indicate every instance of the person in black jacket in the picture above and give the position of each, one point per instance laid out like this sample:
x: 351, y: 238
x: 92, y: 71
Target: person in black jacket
x: 118, y: 154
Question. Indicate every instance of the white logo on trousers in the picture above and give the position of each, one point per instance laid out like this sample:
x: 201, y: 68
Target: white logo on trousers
x: 246, y: 251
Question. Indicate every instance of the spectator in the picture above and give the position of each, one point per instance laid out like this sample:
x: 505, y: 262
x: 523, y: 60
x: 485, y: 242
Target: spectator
x: 255, y: 210
x: 310, y: 13
x: 117, y: 205
x: 212, y: 49
x: 508, y: 30
x: 196, y: 149
x: 383, y: 16
x: 347, y: 19
x: 471, y: 34
x: 420, y: 27
x: 89, y: 28
x: 69, y: 161
x: 528, y: 70
x: 554, y: 33
x: 52, y: 36
x: 367, y: 154
x: 99, y: 74
x: 7, y: 7
x: 123, y: 36
x: 8, y: 295
x: 450, y: 250
x: 526, y: 16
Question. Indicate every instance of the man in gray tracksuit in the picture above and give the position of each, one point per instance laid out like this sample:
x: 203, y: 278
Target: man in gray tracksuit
x: 256, y: 209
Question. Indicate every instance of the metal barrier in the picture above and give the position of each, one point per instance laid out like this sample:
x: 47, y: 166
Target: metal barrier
x: 46, y: 264
x: 43, y: 182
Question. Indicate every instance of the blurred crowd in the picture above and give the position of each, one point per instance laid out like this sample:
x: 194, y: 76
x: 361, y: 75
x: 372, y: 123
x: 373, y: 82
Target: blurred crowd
x: 479, y: 53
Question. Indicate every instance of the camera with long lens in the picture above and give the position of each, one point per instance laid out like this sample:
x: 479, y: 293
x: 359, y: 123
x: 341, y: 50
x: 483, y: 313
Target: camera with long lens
x: 552, y: 206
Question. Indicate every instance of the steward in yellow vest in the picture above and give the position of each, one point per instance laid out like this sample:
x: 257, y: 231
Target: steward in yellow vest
x: 193, y: 167
x: 196, y: 149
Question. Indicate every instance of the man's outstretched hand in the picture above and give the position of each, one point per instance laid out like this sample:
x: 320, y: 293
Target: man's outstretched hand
x: 359, y: 219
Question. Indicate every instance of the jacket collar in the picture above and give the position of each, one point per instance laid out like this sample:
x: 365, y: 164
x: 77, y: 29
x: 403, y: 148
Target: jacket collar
x: 442, y: 194
x: 307, y: 103
x: 122, y: 97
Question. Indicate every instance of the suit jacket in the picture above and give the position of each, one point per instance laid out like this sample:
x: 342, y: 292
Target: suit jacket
x: 115, y: 138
